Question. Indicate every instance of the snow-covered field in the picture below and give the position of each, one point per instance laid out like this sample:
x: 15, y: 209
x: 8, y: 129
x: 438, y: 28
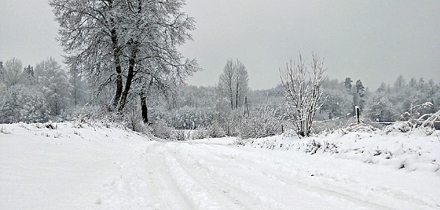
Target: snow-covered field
x: 101, y: 168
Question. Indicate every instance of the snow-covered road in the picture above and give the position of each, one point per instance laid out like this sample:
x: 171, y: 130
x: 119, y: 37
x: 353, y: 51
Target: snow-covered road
x: 100, y: 168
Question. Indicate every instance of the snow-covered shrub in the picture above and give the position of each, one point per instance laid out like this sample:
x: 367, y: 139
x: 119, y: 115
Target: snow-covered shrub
x: 314, y: 146
x: 201, y: 133
x: 215, y: 131
x: 400, y: 126
x: 179, y: 135
x: 259, y: 126
x: 380, y: 108
x: 19, y: 103
x: 161, y: 130
x: 328, y: 126
x: 428, y: 125
x: 362, y: 127
x: 186, y: 118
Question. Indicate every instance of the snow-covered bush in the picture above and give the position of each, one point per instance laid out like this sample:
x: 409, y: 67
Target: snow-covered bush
x: 179, y: 135
x: 328, y: 126
x: 361, y: 127
x: 265, y: 122
x: 201, y: 133
x: 400, y: 126
x: 380, y: 108
x: 428, y: 125
x: 215, y: 130
x: 186, y: 117
x: 160, y: 129
x: 314, y: 146
x: 19, y: 103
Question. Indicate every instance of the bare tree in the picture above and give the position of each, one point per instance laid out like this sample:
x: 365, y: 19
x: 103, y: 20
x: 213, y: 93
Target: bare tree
x: 303, y: 92
x: 234, y: 82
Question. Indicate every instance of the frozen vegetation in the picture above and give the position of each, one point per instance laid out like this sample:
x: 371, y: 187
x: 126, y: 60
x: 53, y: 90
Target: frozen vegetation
x: 96, y: 166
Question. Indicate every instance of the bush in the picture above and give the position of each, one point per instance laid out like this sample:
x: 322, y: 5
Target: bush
x: 264, y: 123
x: 20, y: 104
x: 215, y: 131
x: 161, y: 130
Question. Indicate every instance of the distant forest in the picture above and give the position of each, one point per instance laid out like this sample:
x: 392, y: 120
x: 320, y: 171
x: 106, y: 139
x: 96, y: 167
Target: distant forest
x: 48, y: 92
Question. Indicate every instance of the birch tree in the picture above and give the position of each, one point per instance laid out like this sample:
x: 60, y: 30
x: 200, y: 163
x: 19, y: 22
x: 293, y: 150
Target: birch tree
x: 303, y: 91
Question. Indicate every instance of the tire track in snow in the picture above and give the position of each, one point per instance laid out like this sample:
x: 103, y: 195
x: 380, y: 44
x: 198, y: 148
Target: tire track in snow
x: 195, y: 193
x: 163, y: 191
x: 228, y: 196
x: 283, y: 178
x: 253, y: 184
x: 321, y: 181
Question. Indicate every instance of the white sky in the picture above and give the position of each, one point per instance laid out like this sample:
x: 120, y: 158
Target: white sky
x: 374, y: 41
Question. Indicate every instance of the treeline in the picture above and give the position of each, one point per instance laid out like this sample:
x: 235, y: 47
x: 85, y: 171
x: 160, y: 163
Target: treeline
x: 200, y: 107
x: 46, y: 92
x: 404, y: 100
x: 49, y: 92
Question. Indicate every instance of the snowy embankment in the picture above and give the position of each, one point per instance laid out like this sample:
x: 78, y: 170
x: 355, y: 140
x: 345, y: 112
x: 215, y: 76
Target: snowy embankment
x: 102, y: 168
x: 410, y: 151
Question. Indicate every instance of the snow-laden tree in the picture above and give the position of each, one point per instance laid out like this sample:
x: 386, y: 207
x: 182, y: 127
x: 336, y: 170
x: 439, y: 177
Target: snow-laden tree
x: 399, y: 83
x: 303, y: 91
x: 338, y: 103
x: 380, y: 108
x: 53, y: 83
x: 23, y: 104
x: 347, y: 83
x: 126, y: 45
x: 233, y: 83
x: 12, y: 73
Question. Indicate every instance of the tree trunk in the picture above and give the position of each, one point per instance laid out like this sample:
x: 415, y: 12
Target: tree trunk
x: 232, y: 96
x: 118, y: 92
x: 144, y: 107
x: 116, y: 57
x: 128, y: 82
x: 130, y: 74
x: 237, y: 95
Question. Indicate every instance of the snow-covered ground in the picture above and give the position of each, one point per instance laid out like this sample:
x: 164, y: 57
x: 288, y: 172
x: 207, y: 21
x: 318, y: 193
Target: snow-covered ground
x: 101, y: 168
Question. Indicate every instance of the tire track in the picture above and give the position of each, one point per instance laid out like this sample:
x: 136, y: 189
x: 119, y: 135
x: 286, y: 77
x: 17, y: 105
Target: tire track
x: 320, y: 181
x: 164, y: 193
x: 254, y: 184
x: 277, y: 174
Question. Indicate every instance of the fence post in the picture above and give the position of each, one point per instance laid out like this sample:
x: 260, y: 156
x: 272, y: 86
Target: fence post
x: 357, y: 113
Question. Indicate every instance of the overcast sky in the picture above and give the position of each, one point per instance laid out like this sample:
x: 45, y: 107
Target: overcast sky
x: 374, y: 41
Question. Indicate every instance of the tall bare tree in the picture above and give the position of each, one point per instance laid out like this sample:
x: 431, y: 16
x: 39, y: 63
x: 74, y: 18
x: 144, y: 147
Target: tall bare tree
x: 234, y: 82
x: 303, y: 91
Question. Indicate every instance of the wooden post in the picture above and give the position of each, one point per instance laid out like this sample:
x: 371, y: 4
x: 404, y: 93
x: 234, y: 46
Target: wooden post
x: 356, y: 108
